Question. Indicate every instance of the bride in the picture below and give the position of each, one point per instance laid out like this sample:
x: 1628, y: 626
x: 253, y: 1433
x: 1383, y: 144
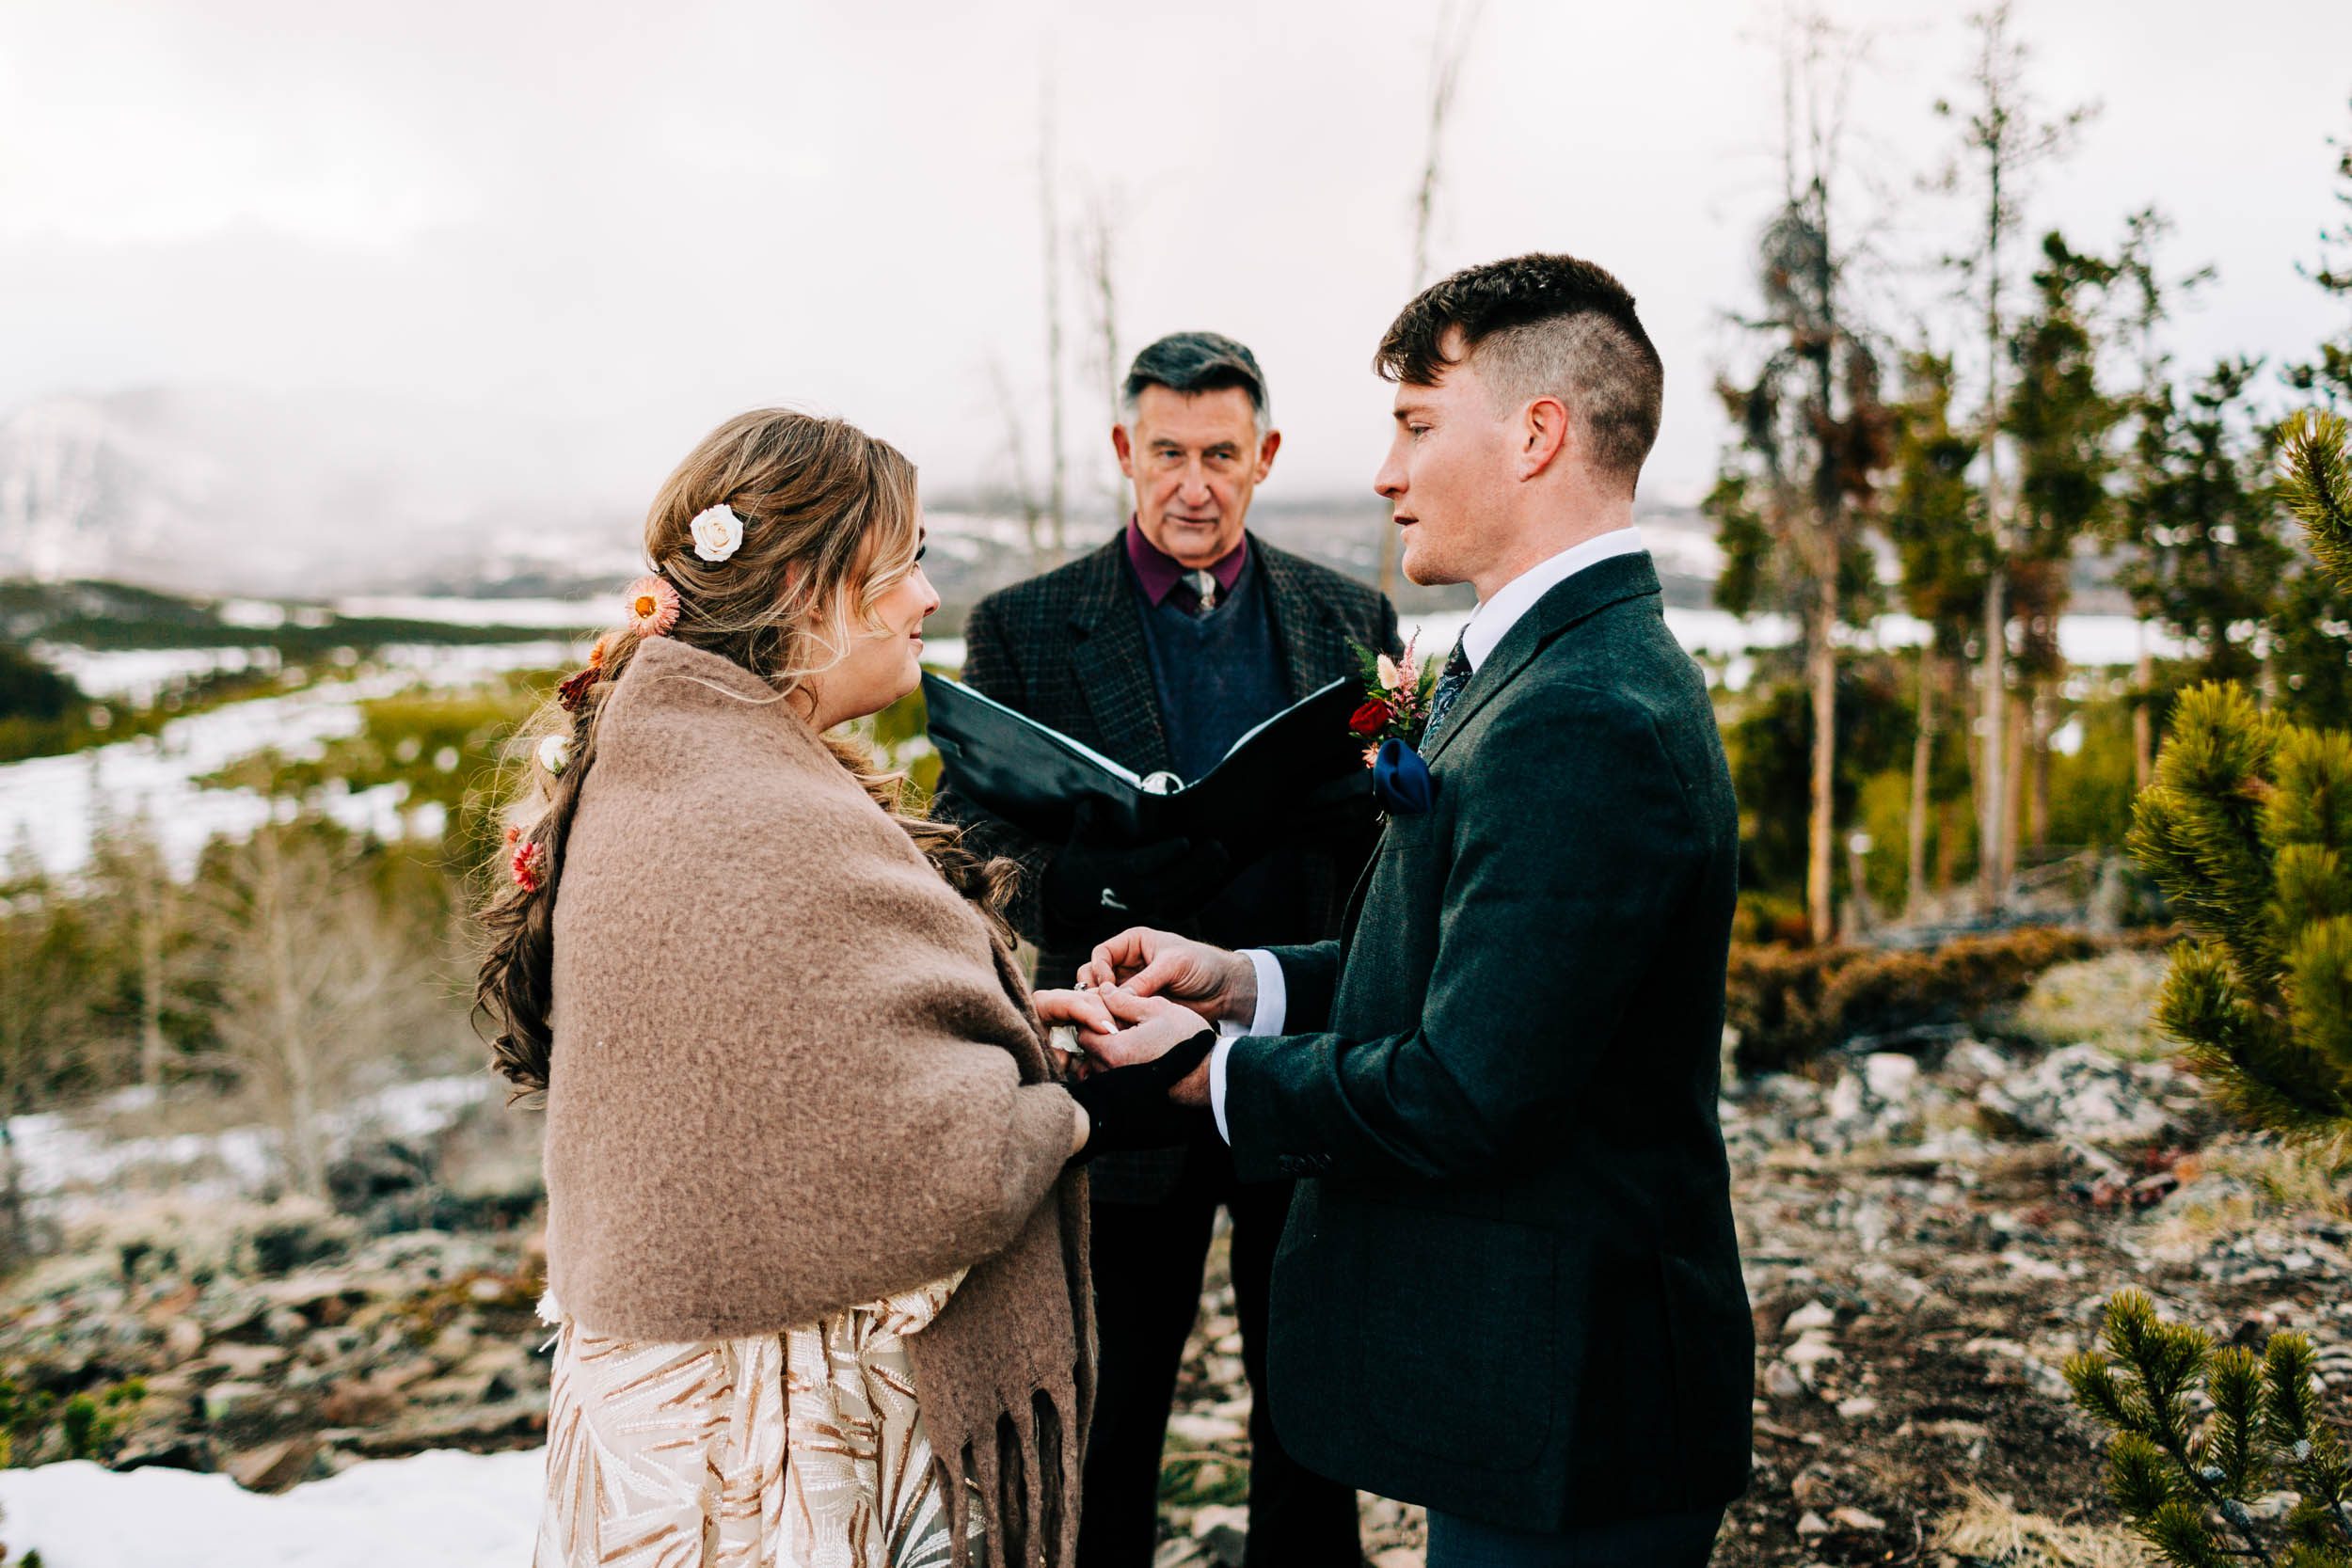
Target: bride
x: 815, y: 1238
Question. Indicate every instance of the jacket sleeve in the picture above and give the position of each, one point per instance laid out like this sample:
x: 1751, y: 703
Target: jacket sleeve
x: 1309, y: 977
x: 990, y: 670
x: 1570, y: 860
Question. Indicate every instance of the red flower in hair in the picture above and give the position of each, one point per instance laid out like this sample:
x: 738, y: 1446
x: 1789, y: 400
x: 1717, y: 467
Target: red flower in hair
x: 529, y: 864
x: 575, y: 687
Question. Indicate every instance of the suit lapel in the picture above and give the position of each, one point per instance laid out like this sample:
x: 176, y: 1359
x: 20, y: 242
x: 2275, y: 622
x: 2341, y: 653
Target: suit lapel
x: 1114, y: 664
x: 1314, y: 652
x: 1590, y: 591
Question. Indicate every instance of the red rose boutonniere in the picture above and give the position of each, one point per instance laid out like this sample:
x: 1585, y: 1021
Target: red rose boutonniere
x: 1396, y: 699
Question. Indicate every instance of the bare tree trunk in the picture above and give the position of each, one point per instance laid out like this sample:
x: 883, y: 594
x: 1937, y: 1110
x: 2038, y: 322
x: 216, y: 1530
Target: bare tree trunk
x: 2038, y: 780
x: 1016, y: 457
x: 2143, y: 722
x: 1102, y: 237
x: 1456, y: 24
x: 1991, y: 774
x: 152, y: 976
x: 2013, y: 715
x: 1922, y: 768
x: 1820, y: 834
x: 1049, y: 214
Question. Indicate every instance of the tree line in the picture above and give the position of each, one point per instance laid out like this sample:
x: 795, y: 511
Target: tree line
x: 1962, y: 464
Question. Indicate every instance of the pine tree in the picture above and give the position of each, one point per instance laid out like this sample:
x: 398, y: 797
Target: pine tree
x: 2061, y: 421
x: 1795, y: 496
x: 2185, y: 1483
x: 2003, y: 139
x: 2330, y: 376
x: 2209, y: 563
x: 1933, y: 519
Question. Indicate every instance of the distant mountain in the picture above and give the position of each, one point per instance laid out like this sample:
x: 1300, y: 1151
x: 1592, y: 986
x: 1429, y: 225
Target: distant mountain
x: 215, y: 490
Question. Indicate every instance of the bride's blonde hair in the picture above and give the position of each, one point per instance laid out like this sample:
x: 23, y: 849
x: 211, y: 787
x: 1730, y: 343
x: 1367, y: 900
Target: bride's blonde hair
x: 831, y: 524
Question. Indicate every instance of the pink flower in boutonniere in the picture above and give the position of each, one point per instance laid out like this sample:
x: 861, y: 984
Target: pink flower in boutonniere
x: 1396, y: 698
x: 652, y: 604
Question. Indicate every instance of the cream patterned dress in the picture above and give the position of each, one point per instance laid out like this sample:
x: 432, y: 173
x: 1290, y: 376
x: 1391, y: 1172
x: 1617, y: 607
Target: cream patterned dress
x: 799, y: 1449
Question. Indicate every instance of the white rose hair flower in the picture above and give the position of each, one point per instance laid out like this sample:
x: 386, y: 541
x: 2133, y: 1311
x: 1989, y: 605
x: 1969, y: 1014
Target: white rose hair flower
x: 718, y: 532
x: 555, y: 753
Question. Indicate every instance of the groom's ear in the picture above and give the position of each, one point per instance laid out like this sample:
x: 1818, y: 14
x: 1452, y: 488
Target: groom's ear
x: 1546, y: 435
x: 1124, y: 449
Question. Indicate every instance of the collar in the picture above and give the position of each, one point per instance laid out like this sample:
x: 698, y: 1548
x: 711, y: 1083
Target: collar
x: 1159, y: 574
x: 1515, y: 598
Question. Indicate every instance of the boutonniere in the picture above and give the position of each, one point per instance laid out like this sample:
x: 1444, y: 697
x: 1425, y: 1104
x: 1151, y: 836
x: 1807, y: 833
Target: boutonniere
x: 1389, y: 722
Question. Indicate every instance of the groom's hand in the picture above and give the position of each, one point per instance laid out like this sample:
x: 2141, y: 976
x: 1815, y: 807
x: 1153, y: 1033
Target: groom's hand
x: 1220, y: 986
x: 1155, y: 1027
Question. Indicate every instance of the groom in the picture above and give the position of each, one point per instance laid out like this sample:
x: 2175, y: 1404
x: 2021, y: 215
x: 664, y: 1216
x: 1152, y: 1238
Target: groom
x: 1509, y: 1288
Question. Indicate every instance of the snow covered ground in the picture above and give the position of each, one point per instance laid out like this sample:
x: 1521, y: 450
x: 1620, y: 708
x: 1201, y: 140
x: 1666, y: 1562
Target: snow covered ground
x: 54, y: 805
x: 73, y: 1172
x: 140, y: 675
x: 446, y: 1508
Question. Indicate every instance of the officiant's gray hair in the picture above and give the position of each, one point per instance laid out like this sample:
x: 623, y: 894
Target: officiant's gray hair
x: 1190, y: 362
x: 1541, y: 325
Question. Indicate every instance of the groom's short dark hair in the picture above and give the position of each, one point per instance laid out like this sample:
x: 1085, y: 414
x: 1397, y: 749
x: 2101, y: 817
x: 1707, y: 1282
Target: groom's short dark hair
x: 1542, y: 324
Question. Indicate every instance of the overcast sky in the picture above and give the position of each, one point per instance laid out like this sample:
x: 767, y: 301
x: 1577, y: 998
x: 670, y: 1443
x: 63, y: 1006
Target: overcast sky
x: 592, y: 229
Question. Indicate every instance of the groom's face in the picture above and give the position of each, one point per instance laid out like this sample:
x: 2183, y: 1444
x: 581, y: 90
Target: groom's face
x: 1448, y: 475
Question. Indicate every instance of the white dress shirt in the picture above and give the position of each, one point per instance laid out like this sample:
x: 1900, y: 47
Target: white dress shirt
x: 1488, y: 627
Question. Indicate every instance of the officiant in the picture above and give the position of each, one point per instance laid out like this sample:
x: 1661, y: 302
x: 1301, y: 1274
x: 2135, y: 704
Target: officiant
x: 1161, y: 649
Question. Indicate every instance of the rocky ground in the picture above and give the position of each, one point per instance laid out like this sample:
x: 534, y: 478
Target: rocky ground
x: 1929, y: 1230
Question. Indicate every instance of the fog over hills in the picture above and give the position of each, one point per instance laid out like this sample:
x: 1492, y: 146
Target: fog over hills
x: 215, y: 491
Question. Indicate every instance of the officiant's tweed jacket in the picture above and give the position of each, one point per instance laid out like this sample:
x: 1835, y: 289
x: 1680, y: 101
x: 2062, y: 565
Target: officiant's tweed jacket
x: 1509, y: 1288
x: 1067, y: 648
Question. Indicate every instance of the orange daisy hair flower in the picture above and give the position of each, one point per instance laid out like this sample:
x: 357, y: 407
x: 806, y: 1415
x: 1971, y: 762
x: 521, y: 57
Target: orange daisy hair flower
x: 652, y: 604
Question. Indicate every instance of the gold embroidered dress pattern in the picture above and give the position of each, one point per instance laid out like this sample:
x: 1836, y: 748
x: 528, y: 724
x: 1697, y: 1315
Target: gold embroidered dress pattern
x: 799, y: 1449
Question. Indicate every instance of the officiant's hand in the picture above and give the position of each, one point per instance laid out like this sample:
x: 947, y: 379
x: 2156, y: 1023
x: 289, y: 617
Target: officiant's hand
x: 1155, y: 1027
x: 1220, y: 986
x: 1093, y: 881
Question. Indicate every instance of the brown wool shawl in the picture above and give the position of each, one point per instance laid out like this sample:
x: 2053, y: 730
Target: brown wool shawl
x: 793, y: 1072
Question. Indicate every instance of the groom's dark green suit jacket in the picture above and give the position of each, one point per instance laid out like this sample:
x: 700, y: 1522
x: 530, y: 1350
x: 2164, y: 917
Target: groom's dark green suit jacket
x: 1509, y: 1288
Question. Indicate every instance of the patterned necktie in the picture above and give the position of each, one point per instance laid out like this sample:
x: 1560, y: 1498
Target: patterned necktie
x: 1203, y: 586
x: 1450, y: 683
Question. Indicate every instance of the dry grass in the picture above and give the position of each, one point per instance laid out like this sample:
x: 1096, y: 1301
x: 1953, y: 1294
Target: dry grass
x: 2107, y: 1000
x: 2244, y: 1179
x: 1986, y: 1530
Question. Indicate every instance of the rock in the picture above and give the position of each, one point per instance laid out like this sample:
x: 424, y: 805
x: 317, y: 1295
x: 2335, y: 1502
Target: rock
x: 1807, y: 1354
x: 225, y: 1402
x: 1398, y: 1557
x: 1890, y: 1076
x: 1858, y: 1408
x: 274, y: 1466
x: 359, y: 1402
x: 1782, y: 1382
x: 246, y: 1363
x: 1224, y: 1529
x: 167, y: 1450
x: 1812, y: 1526
x: 183, y: 1339
x: 1201, y: 1429
x: 2082, y: 1092
x: 1812, y: 1315
x: 1813, y: 1487
x: 1854, y: 1518
x: 1845, y: 1099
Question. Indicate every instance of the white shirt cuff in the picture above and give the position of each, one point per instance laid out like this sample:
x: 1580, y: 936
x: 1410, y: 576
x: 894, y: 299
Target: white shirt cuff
x: 1273, y: 1002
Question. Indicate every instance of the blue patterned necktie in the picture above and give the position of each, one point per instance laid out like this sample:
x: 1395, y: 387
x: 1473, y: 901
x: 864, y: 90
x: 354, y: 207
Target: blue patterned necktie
x: 1450, y: 683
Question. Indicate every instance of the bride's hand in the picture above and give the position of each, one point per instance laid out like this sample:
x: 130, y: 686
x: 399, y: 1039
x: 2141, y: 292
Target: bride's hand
x: 1081, y: 1010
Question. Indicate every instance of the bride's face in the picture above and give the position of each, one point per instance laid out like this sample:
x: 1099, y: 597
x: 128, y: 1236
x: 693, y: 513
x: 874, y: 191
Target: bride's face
x: 880, y: 666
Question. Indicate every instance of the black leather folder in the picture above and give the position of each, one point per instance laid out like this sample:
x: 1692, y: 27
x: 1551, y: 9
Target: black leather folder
x: 1035, y: 778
